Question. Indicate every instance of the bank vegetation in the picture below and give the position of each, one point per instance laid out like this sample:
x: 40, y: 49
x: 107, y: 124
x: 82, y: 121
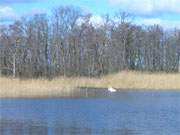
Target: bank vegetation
x: 69, y: 86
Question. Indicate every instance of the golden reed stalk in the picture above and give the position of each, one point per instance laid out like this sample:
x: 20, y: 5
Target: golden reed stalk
x: 62, y: 86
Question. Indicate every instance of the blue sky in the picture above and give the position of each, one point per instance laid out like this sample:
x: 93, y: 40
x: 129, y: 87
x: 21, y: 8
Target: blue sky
x: 163, y: 12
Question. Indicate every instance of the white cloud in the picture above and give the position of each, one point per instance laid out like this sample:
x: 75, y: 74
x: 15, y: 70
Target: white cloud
x: 163, y: 12
x: 165, y: 23
x: 150, y: 21
x: 148, y: 7
x: 96, y: 20
x: 7, y: 14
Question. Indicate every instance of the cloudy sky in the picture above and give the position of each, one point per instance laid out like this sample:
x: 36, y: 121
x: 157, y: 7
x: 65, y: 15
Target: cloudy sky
x: 163, y: 12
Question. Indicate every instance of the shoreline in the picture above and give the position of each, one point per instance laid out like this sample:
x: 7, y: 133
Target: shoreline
x: 70, y: 86
x: 78, y: 93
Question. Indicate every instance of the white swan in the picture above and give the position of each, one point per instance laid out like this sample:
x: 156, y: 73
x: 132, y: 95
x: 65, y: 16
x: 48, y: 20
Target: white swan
x: 110, y: 89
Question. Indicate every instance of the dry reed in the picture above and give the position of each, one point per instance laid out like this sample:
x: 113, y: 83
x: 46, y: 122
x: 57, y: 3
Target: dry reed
x: 13, y: 88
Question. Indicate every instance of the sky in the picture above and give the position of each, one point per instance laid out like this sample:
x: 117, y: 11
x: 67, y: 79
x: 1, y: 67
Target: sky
x: 147, y: 12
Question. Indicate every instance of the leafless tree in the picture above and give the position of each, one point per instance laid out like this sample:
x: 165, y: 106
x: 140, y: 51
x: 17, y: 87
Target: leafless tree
x: 67, y: 43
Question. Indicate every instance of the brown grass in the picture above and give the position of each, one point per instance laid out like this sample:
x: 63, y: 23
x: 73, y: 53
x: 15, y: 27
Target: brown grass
x: 10, y: 87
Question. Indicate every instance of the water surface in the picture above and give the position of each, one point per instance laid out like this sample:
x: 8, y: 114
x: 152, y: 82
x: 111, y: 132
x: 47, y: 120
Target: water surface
x: 98, y: 112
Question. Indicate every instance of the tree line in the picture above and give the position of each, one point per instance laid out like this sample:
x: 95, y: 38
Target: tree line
x: 68, y: 43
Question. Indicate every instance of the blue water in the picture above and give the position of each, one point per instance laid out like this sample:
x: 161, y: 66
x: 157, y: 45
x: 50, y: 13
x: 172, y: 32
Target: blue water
x: 126, y: 113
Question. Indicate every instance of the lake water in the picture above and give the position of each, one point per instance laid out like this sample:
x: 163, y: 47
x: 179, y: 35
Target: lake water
x: 121, y: 113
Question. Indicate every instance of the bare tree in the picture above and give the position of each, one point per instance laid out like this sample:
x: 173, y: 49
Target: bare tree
x: 67, y: 43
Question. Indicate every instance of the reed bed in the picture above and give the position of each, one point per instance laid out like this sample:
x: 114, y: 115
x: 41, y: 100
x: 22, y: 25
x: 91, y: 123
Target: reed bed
x: 65, y: 86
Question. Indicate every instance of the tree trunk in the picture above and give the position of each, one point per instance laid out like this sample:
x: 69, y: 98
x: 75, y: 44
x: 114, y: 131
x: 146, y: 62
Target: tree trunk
x: 14, y: 65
